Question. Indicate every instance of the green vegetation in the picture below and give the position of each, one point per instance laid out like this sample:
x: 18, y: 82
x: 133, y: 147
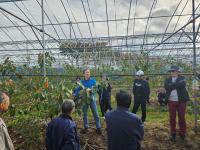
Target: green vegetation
x: 35, y: 100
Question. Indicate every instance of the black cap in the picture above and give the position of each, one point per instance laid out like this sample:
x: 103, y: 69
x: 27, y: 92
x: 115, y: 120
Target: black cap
x: 174, y: 68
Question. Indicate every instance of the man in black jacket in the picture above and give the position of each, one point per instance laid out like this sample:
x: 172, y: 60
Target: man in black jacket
x: 104, y: 92
x: 176, y: 96
x: 141, y: 94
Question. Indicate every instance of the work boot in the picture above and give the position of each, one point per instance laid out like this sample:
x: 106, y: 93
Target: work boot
x: 173, y: 137
x: 182, y: 136
x: 143, y: 119
x: 83, y: 131
x: 99, y: 131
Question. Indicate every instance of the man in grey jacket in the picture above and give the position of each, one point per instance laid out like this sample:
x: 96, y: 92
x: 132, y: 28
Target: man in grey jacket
x: 5, y: 140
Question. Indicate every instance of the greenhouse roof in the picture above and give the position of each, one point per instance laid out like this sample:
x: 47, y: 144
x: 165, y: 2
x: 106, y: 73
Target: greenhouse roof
x: 154, y: 27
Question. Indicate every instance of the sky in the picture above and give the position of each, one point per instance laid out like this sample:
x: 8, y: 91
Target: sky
x: 98, y: 11
x: 30, y: 11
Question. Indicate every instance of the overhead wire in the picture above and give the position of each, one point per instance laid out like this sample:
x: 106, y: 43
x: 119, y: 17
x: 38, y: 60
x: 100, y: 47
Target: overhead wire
x: 88, y: 24
x: 30, y: 23
x: 20, y: 29
x: 134, y: 19
x: 116, y: 26
x: 56, y: 19
x: 102, y: 21
x: 127, y: 29
x: 77, y: 24
x: 171, y: 19
x: 6, y: 33
x: 191, y: 28
x: 198, y: 6
x: 129, y: 13
x: 49, y: 20
x: 106, y: 3
x: 145, y: 31
x: 29, y: 12
x: 91, y: 17
x: 26, y: 16
x: 71, y: 25
x: 178, y: 22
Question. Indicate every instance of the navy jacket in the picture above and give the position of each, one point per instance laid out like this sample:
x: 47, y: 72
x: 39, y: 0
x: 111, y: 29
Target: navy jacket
x: 104, y: 92
x: 61, y: 134
x: 141, y: 89
x: 124, y: 130
x: 179, y: 85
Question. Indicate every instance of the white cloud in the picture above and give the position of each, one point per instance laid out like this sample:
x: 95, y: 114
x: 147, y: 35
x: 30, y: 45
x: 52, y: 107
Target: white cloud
x: 98, y: 10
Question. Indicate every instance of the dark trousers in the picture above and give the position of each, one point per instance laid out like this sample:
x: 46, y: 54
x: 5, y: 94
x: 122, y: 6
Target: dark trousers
x: 137, y: 102
x: 105, y: 104
x: 148, y: 101
x: 179, y: 107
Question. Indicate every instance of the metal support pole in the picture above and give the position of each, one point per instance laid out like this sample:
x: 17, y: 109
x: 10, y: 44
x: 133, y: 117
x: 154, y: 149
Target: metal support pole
x: 70, y: 30
x: 194, y: 65
x: 194, y: 35
x: 43, y: 40
x: 197, y: 31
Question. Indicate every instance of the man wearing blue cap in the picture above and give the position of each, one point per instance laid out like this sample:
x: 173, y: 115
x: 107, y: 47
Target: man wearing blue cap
x: 176, y: 96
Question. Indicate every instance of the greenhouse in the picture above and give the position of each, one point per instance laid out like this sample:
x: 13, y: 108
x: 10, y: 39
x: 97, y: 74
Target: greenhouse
x: 47, y: 47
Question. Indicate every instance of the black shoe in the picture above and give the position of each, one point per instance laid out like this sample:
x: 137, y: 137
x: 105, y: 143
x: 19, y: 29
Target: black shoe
x: 182, y: 136
x: 173, y: 137
x: 143, y: 119
x: 99, y: 131
x: 83, y: 131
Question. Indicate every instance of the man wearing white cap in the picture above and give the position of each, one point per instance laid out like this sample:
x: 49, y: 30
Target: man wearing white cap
x: 141, y: 93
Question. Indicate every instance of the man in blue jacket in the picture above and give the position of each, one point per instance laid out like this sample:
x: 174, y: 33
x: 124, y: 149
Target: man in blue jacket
x: 88, y: 85
x: 124, y: 129
x: 61, y: 132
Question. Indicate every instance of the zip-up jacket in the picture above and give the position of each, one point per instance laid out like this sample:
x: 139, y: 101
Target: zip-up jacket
x: 179, y: 85
x: 61, y: 134
x: 141, y: 89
